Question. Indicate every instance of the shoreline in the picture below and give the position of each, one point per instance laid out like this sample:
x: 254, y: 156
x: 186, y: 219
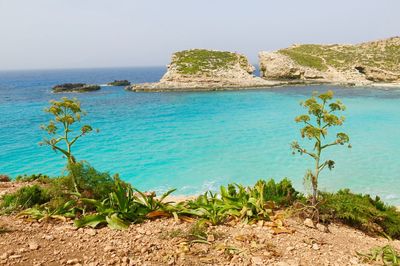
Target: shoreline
x: 195, y: 86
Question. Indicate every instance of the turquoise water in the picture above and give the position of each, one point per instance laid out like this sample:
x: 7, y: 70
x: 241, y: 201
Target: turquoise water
x: 198, y: 141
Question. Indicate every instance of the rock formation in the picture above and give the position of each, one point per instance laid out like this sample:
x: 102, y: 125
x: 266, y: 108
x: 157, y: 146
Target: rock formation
x: 75, y: 87
x: 200, y: 69
x: 119, y: 83
x: 361, y: 64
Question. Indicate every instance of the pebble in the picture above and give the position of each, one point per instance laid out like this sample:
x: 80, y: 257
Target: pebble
x: 109, y: 249
x: 289, y: 249
x: 257, y: 261
x: 72, y: 261
x: 210, y: 238
x: 15, y: 257
x: 49, y: 237
x: 309, y: 223
x: 34, y: 246
x: 91, y: 232
x: 322, y: 228
x: 315, y: 246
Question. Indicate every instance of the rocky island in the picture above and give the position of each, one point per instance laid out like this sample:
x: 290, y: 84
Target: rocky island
x: 361, y: 64
x: 119, y: 83
x: 201, y: 69
x: 375, y: 63
x: 75, y: 87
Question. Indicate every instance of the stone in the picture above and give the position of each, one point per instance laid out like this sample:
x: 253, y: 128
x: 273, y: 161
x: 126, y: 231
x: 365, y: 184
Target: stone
x: 33, y: 246
x: 309, y: 223
x: 257, y: 261
x: 289, y: 249
x: 109, y: 249
x: 72, y: 261
x: 91, y: 232
x: 322, y: 228
x: 315, y: 246
x: 210, y: 238
x: 15, y: 257
x: 21, y: 250
x: 49, y: 237
x: 354, y: 261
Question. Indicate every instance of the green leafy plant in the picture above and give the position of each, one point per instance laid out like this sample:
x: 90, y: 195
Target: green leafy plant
x: 40, y: 213
x: 321, y: 116
x: 256, y: 203
x: 248, y: 204
x: 67, y: 114
x: 122, y: 207
x: 387, y: 255
x: 208, y: 207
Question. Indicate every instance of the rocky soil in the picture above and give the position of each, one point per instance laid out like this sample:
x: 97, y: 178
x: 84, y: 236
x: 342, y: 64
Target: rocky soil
x: 168, y: 242
x: 287, y: 241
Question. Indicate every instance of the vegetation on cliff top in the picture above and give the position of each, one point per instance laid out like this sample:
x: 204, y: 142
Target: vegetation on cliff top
x: 383, y: 54
x: 199, y: 61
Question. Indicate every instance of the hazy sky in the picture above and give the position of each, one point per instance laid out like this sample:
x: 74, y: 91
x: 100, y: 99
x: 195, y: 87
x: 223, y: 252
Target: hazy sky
x: 106, y: 33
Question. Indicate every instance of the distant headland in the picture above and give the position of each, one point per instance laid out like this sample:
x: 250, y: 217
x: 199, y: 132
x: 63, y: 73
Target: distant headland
x: 375, y: 63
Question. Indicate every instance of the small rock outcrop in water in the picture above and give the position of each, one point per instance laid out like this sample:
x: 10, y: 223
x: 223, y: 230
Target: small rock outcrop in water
x: 201, y: 69
x: 361, y: 64
x: 75, y: 87
x: 119, y: 83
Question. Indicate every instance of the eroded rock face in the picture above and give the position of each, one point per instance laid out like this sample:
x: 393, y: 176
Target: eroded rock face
x: 359, y: 64
x: 200, y: 69
x: 276, y: 66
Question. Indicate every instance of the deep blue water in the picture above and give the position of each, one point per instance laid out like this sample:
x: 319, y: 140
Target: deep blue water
x: 199, y: 140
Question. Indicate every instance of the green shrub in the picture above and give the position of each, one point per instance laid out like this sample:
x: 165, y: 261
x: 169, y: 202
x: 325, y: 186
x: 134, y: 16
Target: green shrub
x: 30, y: 178
x: 91, y: 183
x: 361, y: 211
x: 282, y: 193
x: 25, y: 197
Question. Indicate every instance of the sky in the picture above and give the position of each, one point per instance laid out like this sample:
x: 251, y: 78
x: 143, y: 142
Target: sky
x: 47, y: 34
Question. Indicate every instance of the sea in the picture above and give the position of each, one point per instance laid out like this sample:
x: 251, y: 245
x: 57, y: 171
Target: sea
x: 198, y: 141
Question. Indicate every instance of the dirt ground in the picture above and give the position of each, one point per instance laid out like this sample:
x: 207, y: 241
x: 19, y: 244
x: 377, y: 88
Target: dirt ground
x: 167, y: 242
x: 171, y: 242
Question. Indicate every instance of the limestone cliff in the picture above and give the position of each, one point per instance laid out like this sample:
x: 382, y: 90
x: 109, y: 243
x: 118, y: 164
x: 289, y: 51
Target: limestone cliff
x: 361, y: 64
x: 201, y: 69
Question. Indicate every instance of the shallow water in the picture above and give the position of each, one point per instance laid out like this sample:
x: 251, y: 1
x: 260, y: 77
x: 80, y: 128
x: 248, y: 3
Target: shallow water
x: 195, y: 141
